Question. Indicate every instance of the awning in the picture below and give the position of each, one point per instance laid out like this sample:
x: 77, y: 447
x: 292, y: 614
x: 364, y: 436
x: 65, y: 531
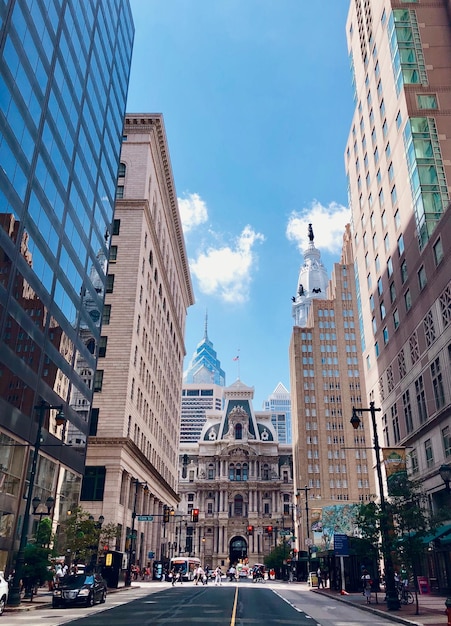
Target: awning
x: 440, y: 532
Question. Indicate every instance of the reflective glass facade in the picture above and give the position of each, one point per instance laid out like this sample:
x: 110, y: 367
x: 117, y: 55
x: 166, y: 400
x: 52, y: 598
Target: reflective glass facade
x: 64, y: 70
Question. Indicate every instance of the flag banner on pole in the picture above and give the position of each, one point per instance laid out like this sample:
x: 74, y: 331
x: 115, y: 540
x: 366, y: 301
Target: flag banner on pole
x: 395, y: 469
x: 236, y: 358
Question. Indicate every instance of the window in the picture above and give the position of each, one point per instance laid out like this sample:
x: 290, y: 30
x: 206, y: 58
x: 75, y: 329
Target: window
x: 102, y: 346
x: 404, y: 271
x: 377, y: 264
x: 385, y: 335
x: 397, y: 219
x: 109, y: 283
x: 392, y: 292
x: 408, y: 300
x: 98, y: 380
x: 387, y: 150
x: 122, y: 170
x: 422, y: 280
x: 106, y: 314
x: 400, y: 245
x: 386, y: 243
x: 380, y: 288
x: 438, y: 251
x: 437, y: 384
x: 113, y: 254
x: 376, y: 156
x: 119, y: 192
x: 391, y: 172
x: 407, y: 411
x: 421, y: 400
x: 116, y: 227
x: 389, y: 267
x: 427, y: 101
x: 93, y: 484
x: 446, y: 438
x: 385, y: 128
x: 429, y: 453
x: 414, y: 461
x: 393, y: 195
x: 376, y: 349
x: 382, y: 310
x: 382, y: 108
x: 398, y: 120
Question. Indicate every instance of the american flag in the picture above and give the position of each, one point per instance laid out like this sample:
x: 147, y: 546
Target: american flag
x: 236, y: 358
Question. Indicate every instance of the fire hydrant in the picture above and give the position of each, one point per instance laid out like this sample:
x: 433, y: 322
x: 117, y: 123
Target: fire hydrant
x: 448, y: 610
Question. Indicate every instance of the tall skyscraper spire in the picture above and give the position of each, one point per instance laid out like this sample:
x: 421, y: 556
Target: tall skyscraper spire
x: 312, y: 282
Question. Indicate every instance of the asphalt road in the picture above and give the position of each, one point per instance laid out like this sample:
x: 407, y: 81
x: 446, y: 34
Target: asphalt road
x: 242, y: 604
x: 219, y: 606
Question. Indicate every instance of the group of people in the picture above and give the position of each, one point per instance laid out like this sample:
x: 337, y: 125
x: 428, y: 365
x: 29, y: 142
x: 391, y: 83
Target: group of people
x: 201, y: 575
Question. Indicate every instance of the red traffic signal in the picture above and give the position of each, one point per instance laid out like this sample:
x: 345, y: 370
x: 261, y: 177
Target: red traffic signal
x: 195, y: 515
x: 269, y: 530
x: 250, y: 530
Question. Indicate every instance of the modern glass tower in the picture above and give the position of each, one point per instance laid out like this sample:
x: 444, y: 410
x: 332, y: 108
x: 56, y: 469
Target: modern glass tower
x: 64, y: 71
x: 279, y: 404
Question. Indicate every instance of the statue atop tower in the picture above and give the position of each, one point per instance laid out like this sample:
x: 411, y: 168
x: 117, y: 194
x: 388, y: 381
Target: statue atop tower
x: 312, y: 282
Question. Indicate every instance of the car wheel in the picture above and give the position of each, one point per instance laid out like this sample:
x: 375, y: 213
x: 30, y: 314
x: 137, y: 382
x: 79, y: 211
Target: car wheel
x: 2, y: 605
x: 90, y: 600
x: 55, y: 604
x: 103, y: 597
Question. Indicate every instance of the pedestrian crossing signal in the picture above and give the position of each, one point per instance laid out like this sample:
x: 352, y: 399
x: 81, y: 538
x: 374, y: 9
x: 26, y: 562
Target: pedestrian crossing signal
x: 195, y: 515
x: 250, y: 530
x: 269, y: 530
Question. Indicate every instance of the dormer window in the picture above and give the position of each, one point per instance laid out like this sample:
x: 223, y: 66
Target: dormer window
x: 238, y: 431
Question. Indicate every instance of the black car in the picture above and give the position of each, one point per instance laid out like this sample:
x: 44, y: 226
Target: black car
x: 85, y: 589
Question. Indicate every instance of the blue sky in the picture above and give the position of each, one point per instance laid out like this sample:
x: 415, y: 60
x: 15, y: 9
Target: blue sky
x: 257, y: 101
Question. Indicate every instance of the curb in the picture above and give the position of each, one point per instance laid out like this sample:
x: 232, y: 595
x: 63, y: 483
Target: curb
x: 369, y: 609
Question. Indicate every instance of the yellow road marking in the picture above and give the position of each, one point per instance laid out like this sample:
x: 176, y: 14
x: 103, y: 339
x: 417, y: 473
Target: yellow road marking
x: 235, y: 602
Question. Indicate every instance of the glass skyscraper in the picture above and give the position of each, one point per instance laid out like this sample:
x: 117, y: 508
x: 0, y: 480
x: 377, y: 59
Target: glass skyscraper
x: 64, y: 71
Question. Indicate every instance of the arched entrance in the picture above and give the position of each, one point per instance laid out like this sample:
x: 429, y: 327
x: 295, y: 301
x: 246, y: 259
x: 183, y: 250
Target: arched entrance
x: 237, y: 549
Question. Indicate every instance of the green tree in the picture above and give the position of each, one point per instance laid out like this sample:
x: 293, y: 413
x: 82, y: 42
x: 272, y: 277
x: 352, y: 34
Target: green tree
x: 85, y: 537
x: 277, y: 556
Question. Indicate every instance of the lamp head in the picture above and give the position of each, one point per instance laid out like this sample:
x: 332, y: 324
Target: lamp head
x: 35, y: 503
x: 355, y: 419
x: 60, y: 418
x: 445, y: 473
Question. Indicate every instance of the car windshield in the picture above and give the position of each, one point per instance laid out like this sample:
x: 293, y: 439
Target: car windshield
x: 76, y: 581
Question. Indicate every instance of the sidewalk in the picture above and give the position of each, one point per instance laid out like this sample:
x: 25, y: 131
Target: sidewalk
x: 432, y: 610
x: 43, y: 600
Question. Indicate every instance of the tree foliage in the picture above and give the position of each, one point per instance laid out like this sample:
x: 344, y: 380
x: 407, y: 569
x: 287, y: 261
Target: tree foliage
x: 84, y: 536
x: 279, y: 554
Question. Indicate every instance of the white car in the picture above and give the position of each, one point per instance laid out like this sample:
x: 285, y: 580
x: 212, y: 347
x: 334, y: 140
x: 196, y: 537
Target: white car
x: 4, y: 588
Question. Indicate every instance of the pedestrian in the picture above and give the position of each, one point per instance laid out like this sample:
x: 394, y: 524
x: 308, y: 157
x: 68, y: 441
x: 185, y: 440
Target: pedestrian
x: 366, y: 584
x: 320, y: 578
x: 172, y: 576
x: 231, y: 573
x: 218, y: 576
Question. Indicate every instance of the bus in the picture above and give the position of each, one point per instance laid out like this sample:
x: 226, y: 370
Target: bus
x: 186, y: 565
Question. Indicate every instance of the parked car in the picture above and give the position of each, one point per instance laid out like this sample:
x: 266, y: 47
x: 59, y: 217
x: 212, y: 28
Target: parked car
x: 85, y: 589
x: 4, y: 588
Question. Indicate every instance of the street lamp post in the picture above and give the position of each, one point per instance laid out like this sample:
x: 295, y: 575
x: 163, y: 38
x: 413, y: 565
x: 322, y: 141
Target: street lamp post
x: 128, y: 580
x: 41, y: 409
x: 35, y: 503
x: 393, y: 603
x: 307, y: 523
x: 98, y: 526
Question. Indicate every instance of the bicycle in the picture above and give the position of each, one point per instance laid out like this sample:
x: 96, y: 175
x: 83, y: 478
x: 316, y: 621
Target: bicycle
x: 404, y: 595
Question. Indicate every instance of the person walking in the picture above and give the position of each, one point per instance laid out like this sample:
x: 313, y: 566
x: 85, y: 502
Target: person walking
x: 366, y: 583
x: 218, y: 576
x: 320, y: 578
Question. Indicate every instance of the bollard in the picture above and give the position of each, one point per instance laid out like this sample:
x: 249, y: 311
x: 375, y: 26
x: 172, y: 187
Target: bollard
x: 448, y: 610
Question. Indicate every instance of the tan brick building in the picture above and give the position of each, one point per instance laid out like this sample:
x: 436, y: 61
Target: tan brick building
x: 332, y: 462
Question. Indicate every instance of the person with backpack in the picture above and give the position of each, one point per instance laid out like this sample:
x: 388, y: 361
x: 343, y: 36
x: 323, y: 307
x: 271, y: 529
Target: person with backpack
x: 366, y: 583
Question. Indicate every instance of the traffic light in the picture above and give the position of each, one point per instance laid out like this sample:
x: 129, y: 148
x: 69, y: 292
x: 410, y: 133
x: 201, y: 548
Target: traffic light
x: 166, y: 514
x: 195, y: 515
x: 250, y: 530
x: 269, y: 530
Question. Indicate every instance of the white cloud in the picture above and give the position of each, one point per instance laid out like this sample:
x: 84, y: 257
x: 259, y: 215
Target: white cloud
x: 328, y: 223
x: 226, y: 272
x: 193, y: 211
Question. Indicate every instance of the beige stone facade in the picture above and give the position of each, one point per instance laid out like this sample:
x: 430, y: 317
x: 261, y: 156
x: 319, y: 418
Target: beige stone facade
x: 398, y: 164
x: 237, y: 475
x: 132, y: 460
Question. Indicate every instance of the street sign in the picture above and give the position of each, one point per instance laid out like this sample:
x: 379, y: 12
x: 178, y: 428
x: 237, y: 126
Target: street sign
x: 145, y: 518
x: 341, y: 547
x: 284, y: 533
x: 151, y: 555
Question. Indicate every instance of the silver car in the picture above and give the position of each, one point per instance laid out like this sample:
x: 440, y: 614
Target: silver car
x: 4, y: 588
